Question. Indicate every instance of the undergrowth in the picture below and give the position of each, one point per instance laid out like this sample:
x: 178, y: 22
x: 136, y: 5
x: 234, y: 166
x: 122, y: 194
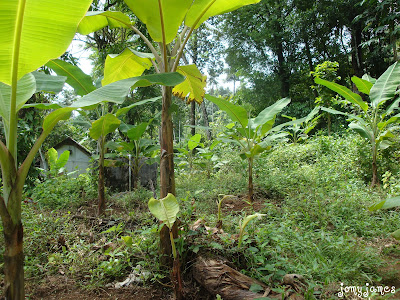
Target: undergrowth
x: 316, y: 221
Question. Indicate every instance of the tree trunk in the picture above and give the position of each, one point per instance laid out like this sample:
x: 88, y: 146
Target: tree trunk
x: 356, y: 53
x: 218, y: 278
x: 167, y: 176
x: 101, y: 196
x: 251, y: 189
x: 374, y: 181
x: 13, y: 239
x: 206, y: 124
x: 13, y: 261
x: 193, y: 118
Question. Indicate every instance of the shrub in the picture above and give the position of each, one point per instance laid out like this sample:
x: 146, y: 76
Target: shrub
x: 64, y: 191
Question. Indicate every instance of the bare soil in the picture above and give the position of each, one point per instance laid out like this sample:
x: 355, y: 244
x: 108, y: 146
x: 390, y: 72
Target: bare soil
x: 61, y: 288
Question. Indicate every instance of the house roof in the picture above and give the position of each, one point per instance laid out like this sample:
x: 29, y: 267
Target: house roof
x: 72, y: 142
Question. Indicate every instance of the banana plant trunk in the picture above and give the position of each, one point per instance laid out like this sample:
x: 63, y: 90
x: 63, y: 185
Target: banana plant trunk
x: 101, y: 194
x: 13, y: 261
x: 167, y: 177
x: 374, y: 180
x: 13, y: 237
x: 250, y: 186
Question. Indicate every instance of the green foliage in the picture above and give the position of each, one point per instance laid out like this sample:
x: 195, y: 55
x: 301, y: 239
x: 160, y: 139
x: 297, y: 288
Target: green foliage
x: 64, y: 191
x: 375, y: 120
x: 243, y: 223
x: 56, y: 164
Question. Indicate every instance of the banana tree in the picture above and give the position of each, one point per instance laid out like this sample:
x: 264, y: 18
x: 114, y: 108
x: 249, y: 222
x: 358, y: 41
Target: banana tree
x: 107, y: 118
x: 170, y: 24
x: 26, y: 47
x: 375, y: 119
x: 252, y: 135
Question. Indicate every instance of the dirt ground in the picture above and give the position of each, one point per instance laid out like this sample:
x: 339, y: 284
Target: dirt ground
x: 61, y: 288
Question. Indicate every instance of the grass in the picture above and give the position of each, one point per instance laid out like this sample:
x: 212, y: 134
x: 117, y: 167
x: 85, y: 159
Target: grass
x: 317, y: 223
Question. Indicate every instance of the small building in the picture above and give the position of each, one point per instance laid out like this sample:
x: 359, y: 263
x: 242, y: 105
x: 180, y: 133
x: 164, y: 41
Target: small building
x: 79, y: 156
x: 116, y: 178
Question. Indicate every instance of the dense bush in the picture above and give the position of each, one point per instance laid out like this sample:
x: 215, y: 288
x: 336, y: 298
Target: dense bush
x: 64, y: 191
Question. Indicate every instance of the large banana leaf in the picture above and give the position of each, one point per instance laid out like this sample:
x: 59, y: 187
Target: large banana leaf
x: 76, y: 78
x: 33, y: 32
x: 136, y: 132
x: 125, y: 109
x: 345, y: 92
x: 364, y: 86
x: 96, y: 20
x: 129, y: 63
x: 48, y: 83
x: 362, y: 130
x: 193, y: 88
x: 235, y: 112
x: 386, y: 85
x: 116, y: 92
x: 201, y: 10
x: 149, y: 12
x: 103, y: 126
x: 270, y: 112
x: 165, y: 209
x: 26, y: 87
x: 386, y: 204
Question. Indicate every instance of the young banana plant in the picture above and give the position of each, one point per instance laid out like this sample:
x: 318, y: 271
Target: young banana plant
x: 252, y: 135
x: 375, y: 119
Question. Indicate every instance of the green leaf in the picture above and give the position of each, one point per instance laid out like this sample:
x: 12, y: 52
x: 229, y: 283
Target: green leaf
x: 128, y: 240
x: 62, y: 160
x: 394, y: 119
x: 255, y: 288
x: 125, y: 109
x: 201, y: 10
x: 33, y: 33
x: 26, y: 87
x: 165, y: 209
x: 116, y: 92
x: 396, y: 234
x: 76, y: 78
x: 270, y: 112
x: 52, y: 156
x: 103, y: 126
x: 129, y: 63
x: 96, y: 20
x: 386, y: 204
x: 343, y: 91
x: 43, y: 105
x: 48, y: 83
x: 136, y: 132
x: 386, y: 85
x: 52, y: 119
x: 364, y: 86
x: 362, y: 130
x: 149, y: 12
x: 194, y: 85
x: 235, y: 112
x: 194, y: 141
x: 369, y: 78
